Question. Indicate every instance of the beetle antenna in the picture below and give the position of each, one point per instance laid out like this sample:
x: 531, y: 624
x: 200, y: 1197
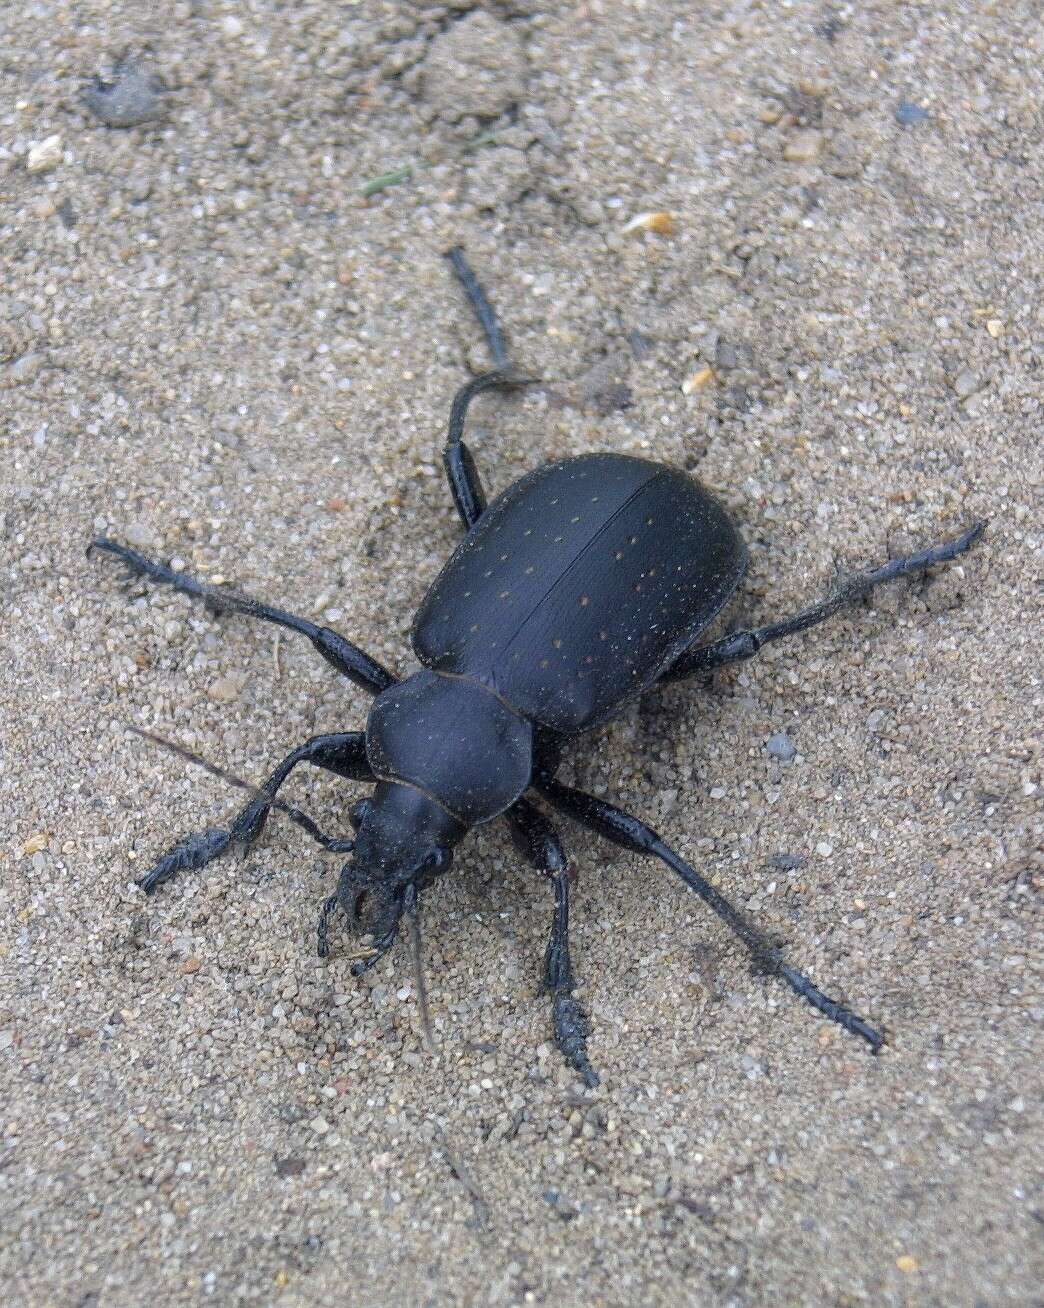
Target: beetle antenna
x: 411, y: 904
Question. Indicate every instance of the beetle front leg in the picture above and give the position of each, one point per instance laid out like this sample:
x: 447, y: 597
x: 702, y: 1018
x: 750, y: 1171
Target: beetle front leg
x: 340, y: 752
x: 631, y: 833
x: 740, y: 645
x: 539, y: 843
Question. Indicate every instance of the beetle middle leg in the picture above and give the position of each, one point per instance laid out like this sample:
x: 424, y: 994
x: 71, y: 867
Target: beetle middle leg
x: 340, y: 752
x: 348, y: 659
x: 622, y: 829
x: 539, y: 843
x: 745, y: 644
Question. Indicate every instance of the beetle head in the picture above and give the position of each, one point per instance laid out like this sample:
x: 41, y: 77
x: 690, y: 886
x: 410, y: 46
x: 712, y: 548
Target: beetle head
x: 404, y: 841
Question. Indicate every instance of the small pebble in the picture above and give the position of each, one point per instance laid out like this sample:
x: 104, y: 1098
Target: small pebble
x: 139, y: 535
x: 319, y: 1125
x: 906, y: 1263
x: 909, y: 114
x: 696, y: 381
x: 190, y: 965
x: 224, y: 690
x: 660, y: 222
x: 824, y: 850
x: 44, y: 155
x: 781, y: 747
x: 803, y: 147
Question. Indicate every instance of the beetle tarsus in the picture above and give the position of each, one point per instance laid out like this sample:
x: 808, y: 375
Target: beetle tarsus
x: 830, y: 1007
x: 479, y: 302
x: 571, y: 1031
x: 190, y: 854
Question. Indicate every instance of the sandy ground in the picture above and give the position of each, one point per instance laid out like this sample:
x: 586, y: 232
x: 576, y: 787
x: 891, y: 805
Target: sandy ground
x: 216, y: 347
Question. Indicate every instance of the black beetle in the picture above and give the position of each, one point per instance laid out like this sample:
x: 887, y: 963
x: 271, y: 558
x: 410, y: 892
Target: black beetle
x: 582, y: 585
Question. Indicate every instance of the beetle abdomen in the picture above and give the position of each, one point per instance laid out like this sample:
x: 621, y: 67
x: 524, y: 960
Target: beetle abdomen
x: 579, y: 585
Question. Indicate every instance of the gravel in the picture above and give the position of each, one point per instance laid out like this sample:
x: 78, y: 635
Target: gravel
x: 235, y: 355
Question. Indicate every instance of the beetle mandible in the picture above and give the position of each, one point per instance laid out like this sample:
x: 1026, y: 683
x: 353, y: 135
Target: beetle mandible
x: 581, y: 586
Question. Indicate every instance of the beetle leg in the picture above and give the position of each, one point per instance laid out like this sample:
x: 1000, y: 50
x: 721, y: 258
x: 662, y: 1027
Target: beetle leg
x: 745, y: 644
x: 622, y: 829
x: 461, y: 472
x: 348, y: 659
x: 333, y: 844
x: 340, y: 752
x: 539, y: 843
x: 479, y: 301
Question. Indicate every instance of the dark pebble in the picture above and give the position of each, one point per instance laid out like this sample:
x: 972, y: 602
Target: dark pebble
x: 786, y: 862
x: 289, y: 1166
x: 130, y: 99
x: 641, y: 345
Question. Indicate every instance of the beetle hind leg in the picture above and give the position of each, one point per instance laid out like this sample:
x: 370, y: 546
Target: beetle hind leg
x: 740, y: 645
x: 631, y: 833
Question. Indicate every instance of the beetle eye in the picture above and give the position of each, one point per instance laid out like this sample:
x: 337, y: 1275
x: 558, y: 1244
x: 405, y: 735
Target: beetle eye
x: 359, y: 812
